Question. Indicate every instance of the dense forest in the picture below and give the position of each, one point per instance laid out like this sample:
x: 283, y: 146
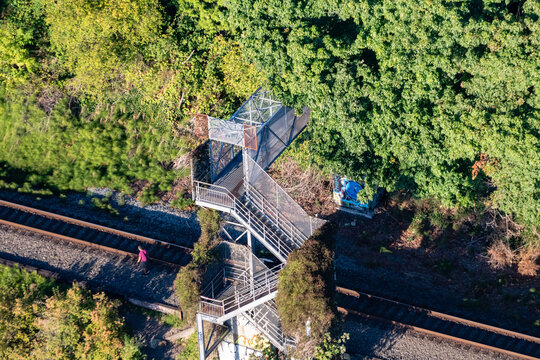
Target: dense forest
x: 436, y: 97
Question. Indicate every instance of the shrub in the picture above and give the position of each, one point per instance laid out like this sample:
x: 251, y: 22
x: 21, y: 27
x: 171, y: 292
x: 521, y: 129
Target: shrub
x: 182, y: 202
x: 188, y: 281
x: 500, y: 255
x: 191, y: 348
x: 72, y: 324
x: 209, y: 221
x: 79, y: 325
x: 306, y: 291
x: 527, y: 264
x: 330, y: 348
x: 187, y: 285
x: 20, y: 293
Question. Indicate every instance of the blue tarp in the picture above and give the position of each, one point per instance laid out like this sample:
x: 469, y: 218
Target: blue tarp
x: 352, y: 189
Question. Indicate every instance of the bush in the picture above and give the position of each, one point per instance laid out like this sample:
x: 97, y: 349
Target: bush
x: 39, y: 321
x: 182, y: 202
x: 188, y: 281
x: 209, y: 221
x: 187, y: 285
x: 79, y: 325
x: 330, y: 348
x: 500, y: 255
x: 191, y: 348
x: 20, y: 294
x: 306, y: 291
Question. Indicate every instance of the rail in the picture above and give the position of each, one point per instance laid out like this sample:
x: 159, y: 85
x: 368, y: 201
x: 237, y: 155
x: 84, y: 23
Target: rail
x: 226, y: 274
x: 221, y: 196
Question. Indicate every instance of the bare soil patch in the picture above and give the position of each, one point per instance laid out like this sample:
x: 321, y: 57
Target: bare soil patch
x: 444, y: 260
x: 307, y: 187
x: 469, y: 263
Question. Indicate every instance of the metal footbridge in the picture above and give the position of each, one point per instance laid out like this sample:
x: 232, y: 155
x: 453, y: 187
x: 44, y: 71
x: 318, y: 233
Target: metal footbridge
x: 233, y: 180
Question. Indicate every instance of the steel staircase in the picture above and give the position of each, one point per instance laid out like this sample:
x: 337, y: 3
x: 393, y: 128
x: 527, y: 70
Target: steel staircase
x: 237, y: 187
x: 248, y: 292
x: 266, y: 319
x: 280, y: 240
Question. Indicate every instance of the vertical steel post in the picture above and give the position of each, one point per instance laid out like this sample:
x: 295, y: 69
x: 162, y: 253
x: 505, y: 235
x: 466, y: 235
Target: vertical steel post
x: 192, y: 176
x: 200, y: 335
x: 251, y: 250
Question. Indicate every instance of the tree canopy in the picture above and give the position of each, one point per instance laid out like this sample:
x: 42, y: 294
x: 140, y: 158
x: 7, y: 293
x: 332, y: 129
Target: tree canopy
x: 411, y: 94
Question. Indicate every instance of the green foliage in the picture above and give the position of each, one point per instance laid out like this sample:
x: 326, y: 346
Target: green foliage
x: 39, y: 321
x: 409, y: 93
x: 418, y: 223
x: 182, y: 201
x: 330, y: 348
x: 188, y: 281
x: 306, y: 289
x: 21, y: 31
x: 78, y: 325
x: 99, y: 41
x: 270, y: 353
x: 112, y: 147
x: 187, y: 286
x: 98, y: 93
x: 173, y: 320
x: 104, y: 205
x: 209, y: 221
x: 20, y: 293
x: 191, y: 348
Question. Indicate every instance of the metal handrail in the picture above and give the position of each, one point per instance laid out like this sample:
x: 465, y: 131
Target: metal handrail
x: 280, y: 221
x: 262, y: 284
x: 260, y: 317
x: 219, y: 281
x: 290, y: 200
x: 261, y: 321
x: 220, y: 195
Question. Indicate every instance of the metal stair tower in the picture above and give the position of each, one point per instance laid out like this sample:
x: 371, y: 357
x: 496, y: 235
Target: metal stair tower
x: 240, y: 149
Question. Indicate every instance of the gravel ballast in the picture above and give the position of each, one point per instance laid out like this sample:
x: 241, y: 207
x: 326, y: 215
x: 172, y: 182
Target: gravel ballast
x: 384, y: 342
x: 157, y: 221
x: 121, y: 275
x: 102, y: 270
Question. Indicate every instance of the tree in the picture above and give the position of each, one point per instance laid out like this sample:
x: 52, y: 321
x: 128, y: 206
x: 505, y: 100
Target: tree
x: 306, y: 292
x: 409, y: 94
x: 101, y: 42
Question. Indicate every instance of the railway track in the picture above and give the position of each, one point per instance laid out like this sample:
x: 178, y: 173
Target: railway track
x: 88, y: 234
x: 461, y: 331
x: 351, y: 302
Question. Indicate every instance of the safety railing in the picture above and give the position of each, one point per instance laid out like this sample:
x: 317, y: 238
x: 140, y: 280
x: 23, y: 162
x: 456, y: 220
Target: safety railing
x: 227, y: 275
x: 215, y: 285
x: 220, y: 196
x: 214, y: 194
x: 262, y: 284
x: 291, y: 231
x: 266, y: 319
x: 259, y: 182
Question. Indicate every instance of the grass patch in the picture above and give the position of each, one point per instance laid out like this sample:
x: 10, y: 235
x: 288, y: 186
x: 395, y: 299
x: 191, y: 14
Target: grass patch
x: 191, y: 349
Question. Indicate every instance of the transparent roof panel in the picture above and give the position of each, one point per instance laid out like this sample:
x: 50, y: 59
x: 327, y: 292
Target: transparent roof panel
x: 225, y: 131
x: 258, y: 109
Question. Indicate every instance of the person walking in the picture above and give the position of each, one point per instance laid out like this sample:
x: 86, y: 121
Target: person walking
x: 143, y: 259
